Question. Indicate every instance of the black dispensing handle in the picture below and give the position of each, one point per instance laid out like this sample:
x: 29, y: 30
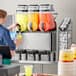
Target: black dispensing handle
x: 54, y: 56
x: 34, y: 56
x: 20, y: 55
x: 39, y: 54
x: 19, y: 27
x: 49, y: 56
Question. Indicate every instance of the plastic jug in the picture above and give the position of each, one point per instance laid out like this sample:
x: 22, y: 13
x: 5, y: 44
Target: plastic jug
x: 66, y: 55
x: 22, y: 19
x: 73, y: 48
x: 28, y: 70
x: 46, y: 19
x: 66, y: 65
x: 33, y: 17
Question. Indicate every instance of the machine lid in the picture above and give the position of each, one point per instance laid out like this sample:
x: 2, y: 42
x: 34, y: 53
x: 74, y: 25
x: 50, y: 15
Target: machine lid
x: 46, y: 7
x: 22, y: 7
x: 33, y: 8
x: 21, y: 10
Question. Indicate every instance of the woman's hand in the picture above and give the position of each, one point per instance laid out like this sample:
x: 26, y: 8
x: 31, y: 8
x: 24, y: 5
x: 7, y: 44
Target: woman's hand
x: 12, y: 26
x: 12, y: 53
x: 73, y: 45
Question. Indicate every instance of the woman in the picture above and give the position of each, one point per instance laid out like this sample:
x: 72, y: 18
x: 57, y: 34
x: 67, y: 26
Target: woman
x: 5, y: 38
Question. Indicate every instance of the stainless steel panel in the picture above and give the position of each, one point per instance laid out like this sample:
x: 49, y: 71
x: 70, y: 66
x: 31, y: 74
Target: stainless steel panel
x: 44, y: 57
x: 23, y: 56
x: 36, y: 41
x: 16, y: 56
x: 46, y: 67
x: 37, y: 68
x: 53, y: 41
x: 30, y: 57
x: 50, y: 68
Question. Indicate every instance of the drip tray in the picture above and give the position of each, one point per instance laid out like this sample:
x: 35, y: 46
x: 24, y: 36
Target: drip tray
x: 40, y: 75
x: 34, y: 55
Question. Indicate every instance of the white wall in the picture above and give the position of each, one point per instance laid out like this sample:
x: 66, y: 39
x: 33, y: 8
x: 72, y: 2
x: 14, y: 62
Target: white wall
x: 10, y: 5
x: 67, y: 8
x: 63, y: 7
